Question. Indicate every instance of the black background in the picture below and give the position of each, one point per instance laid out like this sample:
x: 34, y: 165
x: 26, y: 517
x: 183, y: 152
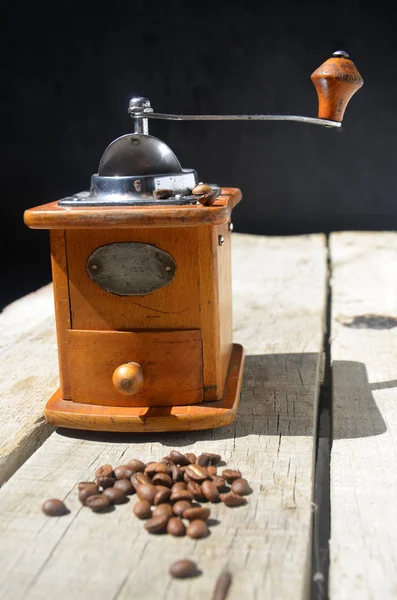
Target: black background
x: 68, y: 71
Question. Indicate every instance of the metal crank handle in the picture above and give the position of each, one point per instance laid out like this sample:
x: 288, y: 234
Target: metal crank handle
x: 335, y: 81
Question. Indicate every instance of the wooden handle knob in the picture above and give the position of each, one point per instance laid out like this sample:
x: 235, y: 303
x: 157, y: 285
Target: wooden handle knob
x: 336, y: 81
x: 128, y: 378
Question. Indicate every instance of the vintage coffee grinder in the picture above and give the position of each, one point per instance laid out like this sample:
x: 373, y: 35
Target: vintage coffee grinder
x: 142, y: 281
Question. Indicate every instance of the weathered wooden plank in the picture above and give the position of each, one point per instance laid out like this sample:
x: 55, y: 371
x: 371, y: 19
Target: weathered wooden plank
x: 279, y: 293
x: 364, y: 461
x: 28, y: 376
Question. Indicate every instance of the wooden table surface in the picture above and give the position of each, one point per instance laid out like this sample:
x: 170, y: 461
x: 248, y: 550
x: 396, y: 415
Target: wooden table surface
x: 302, y: 306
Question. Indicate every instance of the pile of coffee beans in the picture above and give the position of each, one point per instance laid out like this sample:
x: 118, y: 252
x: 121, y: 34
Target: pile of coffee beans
x: 170, y: 494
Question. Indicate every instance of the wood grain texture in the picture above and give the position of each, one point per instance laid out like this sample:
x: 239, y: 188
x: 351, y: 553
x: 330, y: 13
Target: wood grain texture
x: 52, y: 216
x: 364, y: 462
x: 176, y: 306
x: 336, y: 81
x: 214, y: 272
x: 171, y: 363
x: 29, y: 373
x: 63, y: 320
x: 206, y: 415
x: 279, y: 291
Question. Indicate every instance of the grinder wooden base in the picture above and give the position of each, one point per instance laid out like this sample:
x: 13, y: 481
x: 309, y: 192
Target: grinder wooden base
x: 208, y: 415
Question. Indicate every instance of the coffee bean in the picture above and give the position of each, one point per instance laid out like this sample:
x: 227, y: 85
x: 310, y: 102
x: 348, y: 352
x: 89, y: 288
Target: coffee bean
x: 180, y: 507
x: 162, y: 496
x: 232, y: 499
x: 136, y: 465
x: 115, y: 495
x: 165, y: 459
x: 123, y: 472
x: 206, y: 459
x: 178, y: 458
x: 179, y: 485
x: 163, y: 510
x: 150, y: 468
x: 201, y: 189
x: 176, y: 473
x: 201, y: 512
x: 98, y: 502
x: 104, y: 471
x: 176, y: 527
x: 181, y: 495
x: 231, y: 474
x: 181, y: 569
x: 83, y: 485
x: 195, y: 489
x: 211, y: 470
x: 196, y: 473
x: 140, y: 479
x: 105, y: 482
x: 192, y: 458
x: 156, y: 524
x: 125, y: 485
x: 186, y: 478
x: 241, y: 487
x: 210, y: 491
x: 146, y: 491
x: 162, y: 479
x: 197, y: 529
x: 54, y: 508
x: 87, y: 492
x: 142, y: 509
x: 159, y: 467
x: 220, y: 483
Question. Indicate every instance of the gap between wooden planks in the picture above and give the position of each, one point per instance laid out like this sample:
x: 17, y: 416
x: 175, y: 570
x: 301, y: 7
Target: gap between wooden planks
x: 279, y: 301
x: 364, y: 462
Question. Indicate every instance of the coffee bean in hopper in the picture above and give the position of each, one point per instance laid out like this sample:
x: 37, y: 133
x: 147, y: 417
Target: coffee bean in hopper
x: 183, y: 569
x: 54, y: 508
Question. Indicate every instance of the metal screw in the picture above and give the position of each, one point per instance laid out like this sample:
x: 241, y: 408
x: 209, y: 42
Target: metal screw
x: 231, y: 227
x: 94, y: 267
x: 341, y: 53
x: 221, y: 240
x: 168, y: 268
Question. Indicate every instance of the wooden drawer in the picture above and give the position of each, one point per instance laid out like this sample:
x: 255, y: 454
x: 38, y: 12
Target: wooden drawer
x: 171, y: 363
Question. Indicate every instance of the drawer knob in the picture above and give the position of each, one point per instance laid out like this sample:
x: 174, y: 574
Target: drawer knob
x: 128, y: 378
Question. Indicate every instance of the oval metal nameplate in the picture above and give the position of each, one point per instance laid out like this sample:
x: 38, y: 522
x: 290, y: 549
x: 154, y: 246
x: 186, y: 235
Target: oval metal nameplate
x: 131, y: 268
